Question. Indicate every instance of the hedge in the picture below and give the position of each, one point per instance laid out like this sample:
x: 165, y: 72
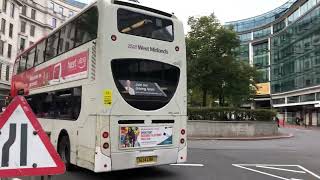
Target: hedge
x: 231, y: 114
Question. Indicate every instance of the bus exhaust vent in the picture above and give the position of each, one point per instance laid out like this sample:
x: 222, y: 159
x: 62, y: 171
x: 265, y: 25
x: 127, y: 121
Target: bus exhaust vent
x: 131, y: 122
x: 162, y: 121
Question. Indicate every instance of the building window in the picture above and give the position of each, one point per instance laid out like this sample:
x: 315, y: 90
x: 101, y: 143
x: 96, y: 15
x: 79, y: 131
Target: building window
x: 0, y: 71
x: 70, y: 13
x: 24, y: 10
x: 308, y: 97
x: 54, y: 22
x: 279, y: 101
x: 22, y: 43
x: 12, y: 10
x: 3, y: 26
x: 295, y: 15
x: 9, y: 50
x: 262, y: 33
x: 261, y: 55
x: 264, y: 75
x: 4, y: 5
x: 1, y: 47
x: 61, y: 10
x: 10, y: 30
x: 243, y: 53
x: 51, y: 5
x: 23, y: 26
x: 279, y: 26
x: 33, y: 14
x: 32, y: 30
x: 293, y: 99
x: 7, y: 72
x: 245, y: 37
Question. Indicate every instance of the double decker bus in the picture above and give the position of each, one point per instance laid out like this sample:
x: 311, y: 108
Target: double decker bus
x: 109, y: 87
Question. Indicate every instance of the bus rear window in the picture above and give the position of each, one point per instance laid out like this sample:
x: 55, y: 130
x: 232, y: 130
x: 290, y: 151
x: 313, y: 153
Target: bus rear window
x: 143, y: 25
x: 145, y: 84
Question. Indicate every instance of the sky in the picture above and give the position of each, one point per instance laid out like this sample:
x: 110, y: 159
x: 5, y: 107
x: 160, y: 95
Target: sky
x: 225, y: 10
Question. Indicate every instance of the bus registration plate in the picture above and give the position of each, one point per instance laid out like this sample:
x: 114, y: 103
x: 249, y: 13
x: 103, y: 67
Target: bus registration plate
x: 146, y: 160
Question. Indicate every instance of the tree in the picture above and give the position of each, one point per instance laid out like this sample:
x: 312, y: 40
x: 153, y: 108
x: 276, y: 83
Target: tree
x: 212, y: 67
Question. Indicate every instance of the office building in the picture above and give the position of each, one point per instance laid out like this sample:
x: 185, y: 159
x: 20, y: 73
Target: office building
x: 284, y: 44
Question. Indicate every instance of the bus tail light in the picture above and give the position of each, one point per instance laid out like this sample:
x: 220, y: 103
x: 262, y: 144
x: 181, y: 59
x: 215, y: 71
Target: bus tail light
x: 105, y: 135
x: 182, y: 141
x: 105, y: 145
x: 183, y: 131
x: 113, y: 37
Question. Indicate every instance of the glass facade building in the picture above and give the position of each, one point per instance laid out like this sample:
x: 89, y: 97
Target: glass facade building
x: 261, y: 20
x: 261, y: 60
x: 284, y: 45
x: 296, y: 55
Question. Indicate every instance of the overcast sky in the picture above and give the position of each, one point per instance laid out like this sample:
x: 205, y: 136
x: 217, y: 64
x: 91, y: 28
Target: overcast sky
x: 225, y: 10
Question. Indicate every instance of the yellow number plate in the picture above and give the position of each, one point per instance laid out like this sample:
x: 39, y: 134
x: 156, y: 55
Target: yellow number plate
x: 147, y: 160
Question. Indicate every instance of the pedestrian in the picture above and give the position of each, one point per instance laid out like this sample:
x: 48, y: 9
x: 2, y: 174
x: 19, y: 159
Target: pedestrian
x: 300, y: 121
x: 277, y: 121
x: 297, y: 120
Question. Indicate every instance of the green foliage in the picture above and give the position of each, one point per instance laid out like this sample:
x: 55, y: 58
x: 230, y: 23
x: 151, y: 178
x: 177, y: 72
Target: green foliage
x: 212, y: 67
x: 231, y: 114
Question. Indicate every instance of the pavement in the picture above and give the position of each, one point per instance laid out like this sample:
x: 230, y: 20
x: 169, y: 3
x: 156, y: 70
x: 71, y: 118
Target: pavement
x: 281, y: 135
x: 256, y: 138
x: 296, y: 158
x: 301, y: 127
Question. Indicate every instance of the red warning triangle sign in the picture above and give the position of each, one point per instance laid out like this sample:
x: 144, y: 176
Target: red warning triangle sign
x: 25, y: 149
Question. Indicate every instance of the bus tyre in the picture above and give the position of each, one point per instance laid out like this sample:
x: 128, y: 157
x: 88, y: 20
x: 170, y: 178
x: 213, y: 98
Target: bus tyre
x: 64, y: 152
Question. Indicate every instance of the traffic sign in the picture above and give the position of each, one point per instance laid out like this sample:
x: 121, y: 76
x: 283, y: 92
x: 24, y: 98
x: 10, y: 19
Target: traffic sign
x: 25, y: 149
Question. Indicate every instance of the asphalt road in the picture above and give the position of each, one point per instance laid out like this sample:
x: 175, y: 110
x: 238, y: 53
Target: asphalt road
x: 287, y: 159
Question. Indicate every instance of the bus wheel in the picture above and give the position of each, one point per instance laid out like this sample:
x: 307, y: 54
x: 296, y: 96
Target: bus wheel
x: 64, y: 151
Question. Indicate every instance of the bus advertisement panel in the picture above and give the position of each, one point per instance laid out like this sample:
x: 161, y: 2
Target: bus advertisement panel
x: 141, y: 137
x: 70, y: 69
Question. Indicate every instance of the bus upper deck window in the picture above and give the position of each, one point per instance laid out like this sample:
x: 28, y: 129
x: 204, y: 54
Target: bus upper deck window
x: 31, y: 57
x: 16, y: 66
x: 67, y: 37
x: 23, y: 62
x: 52, y: 45
x: 143, y: 25
x: 87, y: 26
x: 40, y: 53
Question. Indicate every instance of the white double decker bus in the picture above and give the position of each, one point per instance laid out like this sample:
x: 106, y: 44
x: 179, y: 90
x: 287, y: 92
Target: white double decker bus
x: 109, y: 87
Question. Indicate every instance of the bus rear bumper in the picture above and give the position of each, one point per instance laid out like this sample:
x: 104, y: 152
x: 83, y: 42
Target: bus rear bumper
x: 102, y: 162
x: 182, y: 155
x: 128, y: 160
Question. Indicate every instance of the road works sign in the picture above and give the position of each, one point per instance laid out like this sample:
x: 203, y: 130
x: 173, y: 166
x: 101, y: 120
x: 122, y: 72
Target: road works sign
x: 25, y: 149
